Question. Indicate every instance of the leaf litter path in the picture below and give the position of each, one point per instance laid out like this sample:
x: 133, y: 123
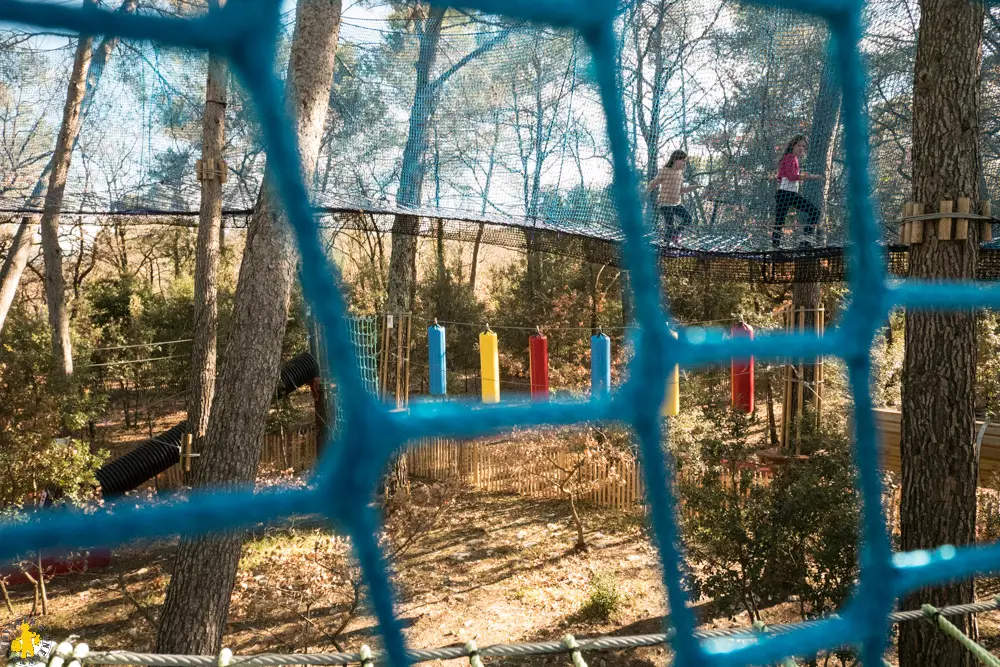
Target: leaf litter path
x: 494, y: 568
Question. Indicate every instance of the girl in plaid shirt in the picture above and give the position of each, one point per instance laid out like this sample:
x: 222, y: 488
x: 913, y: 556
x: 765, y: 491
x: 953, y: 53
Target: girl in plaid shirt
x: 670, y: 180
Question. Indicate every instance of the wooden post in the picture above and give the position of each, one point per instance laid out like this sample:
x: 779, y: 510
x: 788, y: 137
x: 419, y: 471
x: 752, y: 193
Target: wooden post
x: 820, y: 331
x: 800, y: 390
x: 399, y: 362
x: 986, y: 226
x: 944, y: 224
x: 917, y: 226
x: 384, y: 356
x: 406, y: 390
x: 962, y: 224
x: 906, y: 225
x: 788, y: 314
x: 188, y: 439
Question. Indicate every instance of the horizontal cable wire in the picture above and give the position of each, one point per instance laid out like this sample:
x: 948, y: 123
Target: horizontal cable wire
x: 495, y: 651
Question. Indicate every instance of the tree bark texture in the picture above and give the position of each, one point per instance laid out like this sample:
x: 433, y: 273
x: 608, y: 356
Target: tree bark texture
x: 403, y: 260
x: 625, y: 281
x: 826, y: 117
x: 206, y: 270
x: 55, y: 283
x: 939, y: 466
x: 197, y: 600
x: 17, y: 259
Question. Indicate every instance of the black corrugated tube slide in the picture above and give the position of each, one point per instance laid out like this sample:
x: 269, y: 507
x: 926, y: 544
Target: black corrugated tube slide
x: 159, y: 453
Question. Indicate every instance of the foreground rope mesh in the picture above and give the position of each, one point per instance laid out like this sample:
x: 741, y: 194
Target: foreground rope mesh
x: 569, y: 645
x: 245, y: 33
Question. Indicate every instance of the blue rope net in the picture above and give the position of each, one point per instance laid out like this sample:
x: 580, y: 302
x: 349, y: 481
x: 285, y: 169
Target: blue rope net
x: 245, y: 33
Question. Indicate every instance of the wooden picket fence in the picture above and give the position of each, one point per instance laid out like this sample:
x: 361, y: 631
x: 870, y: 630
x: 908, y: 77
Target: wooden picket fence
x: 490, y: 465
x: 494, y: 466
x: 293, y: 449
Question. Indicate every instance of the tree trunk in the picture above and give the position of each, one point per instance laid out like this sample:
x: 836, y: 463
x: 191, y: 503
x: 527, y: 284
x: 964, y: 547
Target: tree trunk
x: 402, y: 283
x: 403, y: 261
x: 491, y: 164
x: 939, y: 465
x: 474, y: 271
x: 626, y: 291
x: 41, y: 585
x: 826, y: 116
x: 6, y: 596
x: 17, y: 258
x: 206, y: 314
x: 55, y: 283
x: 197, y: 600
x: 772, y: 429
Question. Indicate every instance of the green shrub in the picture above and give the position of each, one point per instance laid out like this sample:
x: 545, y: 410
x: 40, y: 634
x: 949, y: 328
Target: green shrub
x: 756, y: 541
x: 605, y: 600
x: 34, y: 413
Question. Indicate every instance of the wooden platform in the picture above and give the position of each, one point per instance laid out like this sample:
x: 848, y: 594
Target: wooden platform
x: 888, y: 423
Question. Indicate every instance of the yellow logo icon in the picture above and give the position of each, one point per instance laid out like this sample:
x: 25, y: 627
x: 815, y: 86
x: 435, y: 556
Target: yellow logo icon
x: 25, y: 642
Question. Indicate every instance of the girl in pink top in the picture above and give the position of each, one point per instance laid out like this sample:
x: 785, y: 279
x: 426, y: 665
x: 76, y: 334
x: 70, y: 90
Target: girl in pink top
x: 787, y: 196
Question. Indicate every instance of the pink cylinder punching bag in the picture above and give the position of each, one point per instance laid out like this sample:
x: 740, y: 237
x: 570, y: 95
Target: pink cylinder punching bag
x: 538, y: 356
x: 742, y: 373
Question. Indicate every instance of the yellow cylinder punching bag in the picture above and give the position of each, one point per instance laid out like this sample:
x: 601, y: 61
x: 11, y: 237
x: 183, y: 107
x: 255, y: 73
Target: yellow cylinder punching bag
x: 672, y: 402
x: 489, y: 362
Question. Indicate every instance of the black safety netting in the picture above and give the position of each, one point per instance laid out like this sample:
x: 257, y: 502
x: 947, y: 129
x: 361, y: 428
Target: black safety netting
x: 495, y: 127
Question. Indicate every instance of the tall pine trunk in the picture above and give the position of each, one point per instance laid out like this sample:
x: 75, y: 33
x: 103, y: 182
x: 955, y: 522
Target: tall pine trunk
x: 55, y: 283
x: 822, y: 138
x: 17, y: 258
x: 197, y: 600
x: 807, y: 295
x: 403, y: 260
x: 939, y: 464
x: 206, y: 312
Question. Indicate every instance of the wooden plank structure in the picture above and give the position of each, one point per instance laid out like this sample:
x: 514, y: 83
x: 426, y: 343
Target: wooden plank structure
x: 947, y: 224
x: 889, y: 424
x: 795, y: 322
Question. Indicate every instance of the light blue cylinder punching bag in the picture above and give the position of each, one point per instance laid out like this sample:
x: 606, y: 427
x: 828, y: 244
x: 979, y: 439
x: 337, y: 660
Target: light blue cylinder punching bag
x: 436, y: 360
x: 600, y: 366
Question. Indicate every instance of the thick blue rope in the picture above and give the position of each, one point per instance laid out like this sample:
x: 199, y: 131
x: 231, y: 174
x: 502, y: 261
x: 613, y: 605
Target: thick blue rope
x: 245, y: 32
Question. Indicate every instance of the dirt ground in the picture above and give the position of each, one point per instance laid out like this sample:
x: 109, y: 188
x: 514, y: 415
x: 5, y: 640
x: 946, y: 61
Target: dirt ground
x: 493, y: 568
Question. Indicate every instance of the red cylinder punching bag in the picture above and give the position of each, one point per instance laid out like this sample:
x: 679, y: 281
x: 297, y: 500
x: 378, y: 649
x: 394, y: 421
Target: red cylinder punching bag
x: 538, y: 355
x: 742, y: 373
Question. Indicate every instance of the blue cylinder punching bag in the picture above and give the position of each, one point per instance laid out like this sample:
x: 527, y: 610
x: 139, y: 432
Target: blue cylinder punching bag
x: 436, y: 361
x: 600, y: 366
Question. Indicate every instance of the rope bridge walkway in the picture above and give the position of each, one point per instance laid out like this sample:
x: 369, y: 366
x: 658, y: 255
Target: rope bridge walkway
x: 81, y: 655
x: 246, y: 34
x: 464, y: 149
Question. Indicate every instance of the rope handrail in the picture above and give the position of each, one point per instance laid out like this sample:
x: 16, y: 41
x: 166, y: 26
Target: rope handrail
x: 958, y: 635
x: 496, y: 651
